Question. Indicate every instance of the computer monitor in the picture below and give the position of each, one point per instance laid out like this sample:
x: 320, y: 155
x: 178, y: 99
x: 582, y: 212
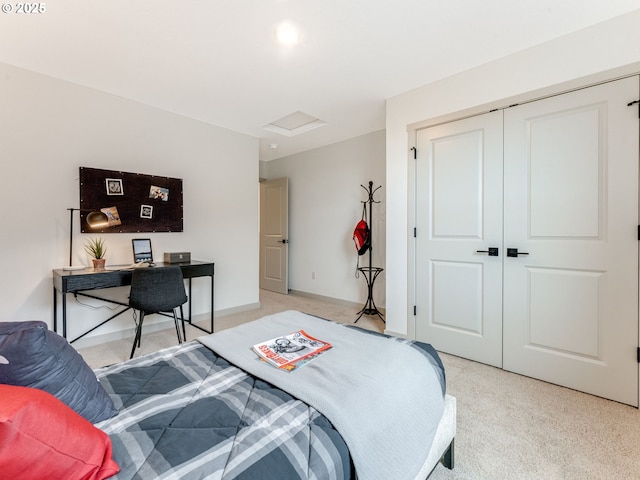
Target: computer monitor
x: 142, y: 250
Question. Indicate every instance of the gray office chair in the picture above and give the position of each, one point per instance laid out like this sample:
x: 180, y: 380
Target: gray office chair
x: 157, y: 290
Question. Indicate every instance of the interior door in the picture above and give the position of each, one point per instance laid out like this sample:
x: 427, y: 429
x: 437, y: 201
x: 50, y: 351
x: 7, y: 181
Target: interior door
x: 571, y: 211
x: 274, y: 231
x: 458, y: 226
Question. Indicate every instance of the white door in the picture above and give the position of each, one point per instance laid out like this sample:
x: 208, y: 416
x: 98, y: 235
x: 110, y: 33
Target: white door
x: 571, y: 204
x: 458, y: 219
x: 560, y: 302
x: 274, y: 231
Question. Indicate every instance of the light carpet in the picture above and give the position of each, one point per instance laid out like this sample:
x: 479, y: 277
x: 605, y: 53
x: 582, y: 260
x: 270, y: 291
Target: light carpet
x: 508, y: 426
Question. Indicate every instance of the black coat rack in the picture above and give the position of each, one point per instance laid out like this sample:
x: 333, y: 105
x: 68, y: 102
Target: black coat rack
x: 370, y: 273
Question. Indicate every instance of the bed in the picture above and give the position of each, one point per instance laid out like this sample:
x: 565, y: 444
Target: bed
x: 371, y: 407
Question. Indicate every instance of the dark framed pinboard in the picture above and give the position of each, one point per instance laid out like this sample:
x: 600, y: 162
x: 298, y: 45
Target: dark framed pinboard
x: 133, y: 202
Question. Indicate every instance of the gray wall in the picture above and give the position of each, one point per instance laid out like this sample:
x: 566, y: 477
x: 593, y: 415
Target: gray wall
x: 49, y: 128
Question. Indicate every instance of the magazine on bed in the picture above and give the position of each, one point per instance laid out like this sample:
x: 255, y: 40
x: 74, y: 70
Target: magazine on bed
x: 290, y: 351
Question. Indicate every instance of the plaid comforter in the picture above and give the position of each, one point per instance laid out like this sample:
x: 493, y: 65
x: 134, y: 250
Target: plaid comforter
x: 186, y: 413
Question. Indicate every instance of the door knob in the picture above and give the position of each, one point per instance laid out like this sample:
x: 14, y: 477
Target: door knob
x: 284, y: 240
x: 513, y: 252
x: 492, y: 251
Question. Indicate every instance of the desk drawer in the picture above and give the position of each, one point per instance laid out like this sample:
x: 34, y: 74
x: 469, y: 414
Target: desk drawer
x: 76, y: 283
x: 197, y: 270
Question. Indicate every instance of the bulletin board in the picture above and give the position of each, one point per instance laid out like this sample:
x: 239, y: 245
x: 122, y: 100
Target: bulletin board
x: 133, y: 202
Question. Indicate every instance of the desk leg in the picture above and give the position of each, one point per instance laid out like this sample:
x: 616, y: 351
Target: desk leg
x: 190, y: 298
x: 55, y: 310
x: 64, y: 315
x: 211, y: 303
x: 190, y: 312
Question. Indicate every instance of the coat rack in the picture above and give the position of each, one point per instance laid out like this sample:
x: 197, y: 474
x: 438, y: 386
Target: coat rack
x: 370, y: 273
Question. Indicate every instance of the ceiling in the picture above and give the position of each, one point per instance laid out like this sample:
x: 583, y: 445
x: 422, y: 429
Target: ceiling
x: 217, y: 60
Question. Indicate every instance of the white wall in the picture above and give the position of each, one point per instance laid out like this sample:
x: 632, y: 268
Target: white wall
x: 587, y: 53
x: 49, y: 128
x: 324, y: 207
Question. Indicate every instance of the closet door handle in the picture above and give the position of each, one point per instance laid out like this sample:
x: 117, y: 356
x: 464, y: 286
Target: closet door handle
x: 513, y: 252
x: 492, y: 251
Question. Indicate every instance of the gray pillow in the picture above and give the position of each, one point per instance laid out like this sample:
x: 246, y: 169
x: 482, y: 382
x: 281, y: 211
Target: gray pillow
x: 33, y: 356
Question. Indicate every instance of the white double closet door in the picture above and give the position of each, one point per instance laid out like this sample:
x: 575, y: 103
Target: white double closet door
x: 553, y: 186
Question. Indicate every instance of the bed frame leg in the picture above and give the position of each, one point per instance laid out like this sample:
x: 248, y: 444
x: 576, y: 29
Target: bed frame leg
x: 448, y: 458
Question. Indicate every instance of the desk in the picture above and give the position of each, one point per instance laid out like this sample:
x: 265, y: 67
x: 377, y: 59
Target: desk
x: 79, y: 282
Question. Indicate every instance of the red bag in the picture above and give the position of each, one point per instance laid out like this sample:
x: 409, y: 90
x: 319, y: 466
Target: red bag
x: 362, y: 235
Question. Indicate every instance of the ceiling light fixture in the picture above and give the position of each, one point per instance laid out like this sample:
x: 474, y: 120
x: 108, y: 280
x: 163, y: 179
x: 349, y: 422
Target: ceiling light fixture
x: 287, y: 34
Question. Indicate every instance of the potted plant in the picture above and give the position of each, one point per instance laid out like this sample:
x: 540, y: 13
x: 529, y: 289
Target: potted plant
x: 97, y: 249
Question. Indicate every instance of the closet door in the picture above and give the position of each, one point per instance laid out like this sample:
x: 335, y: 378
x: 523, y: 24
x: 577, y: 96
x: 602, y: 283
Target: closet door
x: 458, y: 219
x: 571, y: 211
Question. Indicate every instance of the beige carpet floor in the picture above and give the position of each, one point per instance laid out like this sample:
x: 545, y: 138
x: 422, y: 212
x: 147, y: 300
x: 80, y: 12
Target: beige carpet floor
x: 508, y: 426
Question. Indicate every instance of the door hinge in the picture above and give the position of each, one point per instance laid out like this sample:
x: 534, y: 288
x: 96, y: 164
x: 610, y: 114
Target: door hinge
x: 633, y: 103
x: 638, y: 232
x: 415, y: 152
x: 415, y: 309
x: 415, y: 232
x: 638, y: 353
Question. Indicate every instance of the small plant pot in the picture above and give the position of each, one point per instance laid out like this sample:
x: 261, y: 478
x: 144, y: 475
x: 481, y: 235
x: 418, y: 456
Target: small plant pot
x: 98, y: 263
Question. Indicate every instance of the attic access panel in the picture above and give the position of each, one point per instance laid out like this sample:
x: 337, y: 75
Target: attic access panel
x: 133, y: 202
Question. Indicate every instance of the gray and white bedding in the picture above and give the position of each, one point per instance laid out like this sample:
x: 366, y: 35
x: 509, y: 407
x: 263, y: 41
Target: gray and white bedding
x: 382, y: 393
x: 186, y: 412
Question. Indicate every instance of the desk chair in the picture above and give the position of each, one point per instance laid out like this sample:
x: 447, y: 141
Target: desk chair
x: 157, y: 290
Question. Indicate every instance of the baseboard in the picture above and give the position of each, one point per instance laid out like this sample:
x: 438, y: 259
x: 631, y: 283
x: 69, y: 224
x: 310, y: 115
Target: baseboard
x: 338, y: 301
x: 238, y: 309
x: 395, y: 334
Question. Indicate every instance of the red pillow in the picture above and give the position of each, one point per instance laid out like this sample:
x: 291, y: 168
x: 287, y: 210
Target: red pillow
x: 40, y: 437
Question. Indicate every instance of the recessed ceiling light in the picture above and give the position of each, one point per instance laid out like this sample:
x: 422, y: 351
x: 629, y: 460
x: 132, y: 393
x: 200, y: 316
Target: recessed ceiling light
x: 287, y: 34
x: 273, y: 146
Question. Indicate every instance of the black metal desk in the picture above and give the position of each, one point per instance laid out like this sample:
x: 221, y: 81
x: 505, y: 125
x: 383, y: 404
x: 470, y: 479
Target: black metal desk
x: 79, y: 282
